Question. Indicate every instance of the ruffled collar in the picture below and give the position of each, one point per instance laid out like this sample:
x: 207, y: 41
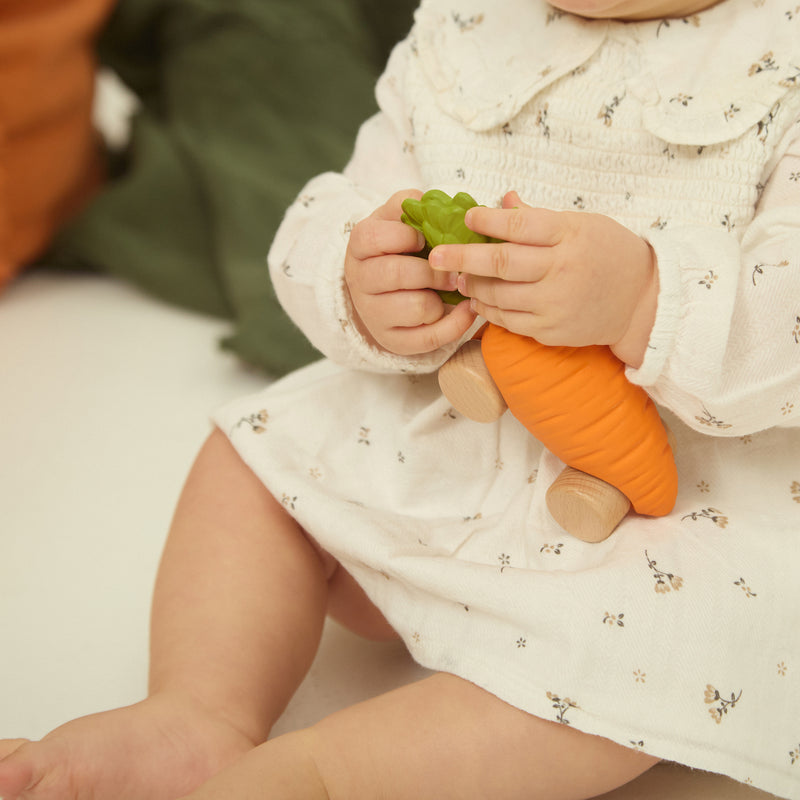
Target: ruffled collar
x: 704, y: 79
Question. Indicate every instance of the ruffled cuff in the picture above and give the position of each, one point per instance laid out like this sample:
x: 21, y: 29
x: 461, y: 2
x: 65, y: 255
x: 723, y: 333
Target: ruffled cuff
x: 698, y: 272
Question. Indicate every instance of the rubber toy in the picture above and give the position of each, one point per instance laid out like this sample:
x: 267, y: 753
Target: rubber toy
x: 575, y: 400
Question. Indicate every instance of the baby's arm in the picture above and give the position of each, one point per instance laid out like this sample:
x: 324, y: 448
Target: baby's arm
x: 724, y: 353
x: 369, y: 316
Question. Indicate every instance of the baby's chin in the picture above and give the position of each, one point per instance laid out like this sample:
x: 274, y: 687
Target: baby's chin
x: 632, y: 9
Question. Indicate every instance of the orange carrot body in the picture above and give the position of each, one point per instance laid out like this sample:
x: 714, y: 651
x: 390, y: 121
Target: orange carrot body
x: 579, y: 404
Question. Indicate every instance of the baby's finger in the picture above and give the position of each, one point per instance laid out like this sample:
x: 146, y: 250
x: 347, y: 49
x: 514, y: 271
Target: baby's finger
x: 403, y: 309
x: 523, y: 323
x: 392, y: 273
x: 392, y: 209
x: 521, y: 224
x: 427, y: 338
x: 374, y: 236
x: 512, y: 296
x: 506, y: 261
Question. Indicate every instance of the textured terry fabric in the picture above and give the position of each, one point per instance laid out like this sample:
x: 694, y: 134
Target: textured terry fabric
x: 677, y: 636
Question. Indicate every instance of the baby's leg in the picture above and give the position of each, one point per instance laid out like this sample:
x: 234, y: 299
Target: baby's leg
x: 238, y: 611
x: 439, y: 738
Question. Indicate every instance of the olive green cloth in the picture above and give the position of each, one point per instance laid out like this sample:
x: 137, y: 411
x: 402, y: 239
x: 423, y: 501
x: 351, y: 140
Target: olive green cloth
x: 242, y: 102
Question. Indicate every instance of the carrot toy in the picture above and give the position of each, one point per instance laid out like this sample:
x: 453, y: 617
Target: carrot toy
x: 575, y: 400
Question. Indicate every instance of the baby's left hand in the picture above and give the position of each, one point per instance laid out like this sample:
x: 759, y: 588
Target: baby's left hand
x: 563, y: 278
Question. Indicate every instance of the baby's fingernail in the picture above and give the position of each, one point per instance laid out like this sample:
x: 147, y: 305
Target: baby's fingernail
x: 452, y: 280
x: 461, y: 283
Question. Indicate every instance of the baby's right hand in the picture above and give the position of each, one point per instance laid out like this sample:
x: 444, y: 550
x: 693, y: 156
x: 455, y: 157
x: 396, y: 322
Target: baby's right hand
x: 394, y: 293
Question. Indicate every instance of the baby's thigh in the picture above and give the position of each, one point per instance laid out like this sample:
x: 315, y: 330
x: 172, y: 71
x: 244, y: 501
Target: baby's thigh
x: 444, y: 737
x: 349, y: 605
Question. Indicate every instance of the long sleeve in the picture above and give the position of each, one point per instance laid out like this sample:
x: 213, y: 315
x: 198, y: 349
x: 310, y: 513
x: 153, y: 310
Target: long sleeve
x: 724, y: 353
x: 306, y: 259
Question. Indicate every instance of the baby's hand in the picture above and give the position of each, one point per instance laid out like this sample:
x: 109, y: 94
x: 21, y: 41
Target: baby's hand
x: 394, y: 293
x: 563, y: 278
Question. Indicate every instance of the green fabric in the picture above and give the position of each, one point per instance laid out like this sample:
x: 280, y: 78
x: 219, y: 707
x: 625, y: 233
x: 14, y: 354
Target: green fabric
x: 242, y: 102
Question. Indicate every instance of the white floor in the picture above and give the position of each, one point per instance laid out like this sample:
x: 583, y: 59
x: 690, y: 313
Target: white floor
x: 104, y: 400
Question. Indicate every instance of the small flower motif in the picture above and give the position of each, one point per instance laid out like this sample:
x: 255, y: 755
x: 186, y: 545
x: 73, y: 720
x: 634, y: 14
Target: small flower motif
x: 416, y: 637
x: 468, y: 23
x: 787, y: 408
x: 712, y: 422
x: 551, y: 548
x: 714, y: 514
x: 505, y: 561
x: 758, y: 269
x: 727, y: 223
x: 314, y: 473
x: 746, y: 439
x: 498, y: 463
x: 636, y: 745
x: 507, y: 130
x: 794, y: 176
x: 794, y: 755
x: 522, y: 642
x: 665, y: 581
x: 533, y: 476
x: 257, y: 421
x: 614, y: 619
x: 461, y: 174
x: 703, y: 487
x: 288, y: 501
x: 796, y: 331
x: 579, y: 203
x: 782, y: 668
x: 763, y: 128
x: 306, y: 200
x: 659, y: 224
x: 363, y: 435
x: 745, y: 588
x: 562, y: 706
x: 607, y: 112
x: 681, y: 99
x: 639, y: 676
x: 765, y: 64
x: 795, y: 491
x: 731, y: 111
x: 541, y: 121
x: 723, y: 706
x: 709, y: 279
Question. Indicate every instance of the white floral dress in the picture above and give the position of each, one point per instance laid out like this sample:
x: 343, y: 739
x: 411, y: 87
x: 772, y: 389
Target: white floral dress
x: 677, y: 636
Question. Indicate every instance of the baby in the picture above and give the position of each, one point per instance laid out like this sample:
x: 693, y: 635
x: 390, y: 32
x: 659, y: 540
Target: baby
x: 640, y: 162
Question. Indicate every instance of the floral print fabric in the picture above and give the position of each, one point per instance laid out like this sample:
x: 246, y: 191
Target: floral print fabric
x: 677, y: 636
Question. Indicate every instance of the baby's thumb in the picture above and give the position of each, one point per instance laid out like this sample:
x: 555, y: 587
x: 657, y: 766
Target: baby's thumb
x: 512, y: 200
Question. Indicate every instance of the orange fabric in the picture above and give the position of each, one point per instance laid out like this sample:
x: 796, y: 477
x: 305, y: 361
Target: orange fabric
x: 579, y: 404
x: 50, y: 161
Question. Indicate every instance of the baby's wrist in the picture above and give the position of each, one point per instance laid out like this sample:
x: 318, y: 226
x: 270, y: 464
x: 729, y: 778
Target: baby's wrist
x: 632, y: 347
